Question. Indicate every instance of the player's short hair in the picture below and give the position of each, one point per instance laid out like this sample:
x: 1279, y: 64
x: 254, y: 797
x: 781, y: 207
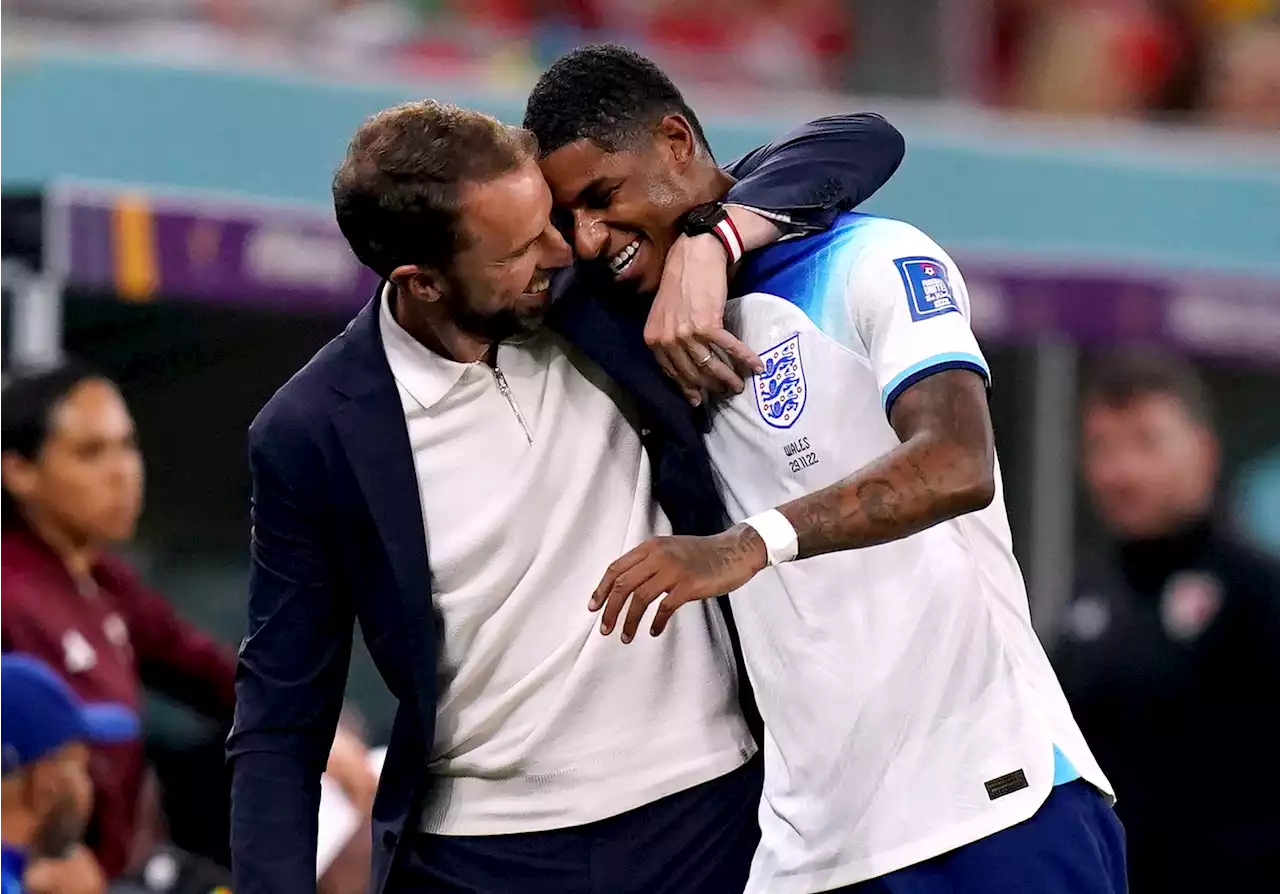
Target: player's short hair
x: 1128, y: 375
x: 607, y: 94
x: 396, y: 194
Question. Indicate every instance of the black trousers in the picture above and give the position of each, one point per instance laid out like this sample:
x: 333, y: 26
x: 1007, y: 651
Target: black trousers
x: 699, y: 841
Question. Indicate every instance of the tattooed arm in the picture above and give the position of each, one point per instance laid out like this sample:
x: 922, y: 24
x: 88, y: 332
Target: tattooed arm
x: 905, y: 311
x: 944, y: 467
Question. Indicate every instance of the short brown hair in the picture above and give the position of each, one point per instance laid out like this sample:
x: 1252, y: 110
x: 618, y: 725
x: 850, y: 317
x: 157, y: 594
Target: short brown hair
x: 396, y: 193
x: 1127, y: 375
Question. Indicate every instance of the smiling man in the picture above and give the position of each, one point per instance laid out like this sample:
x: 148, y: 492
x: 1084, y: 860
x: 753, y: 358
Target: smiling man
x: 457, y: 475
x: 916, y: 739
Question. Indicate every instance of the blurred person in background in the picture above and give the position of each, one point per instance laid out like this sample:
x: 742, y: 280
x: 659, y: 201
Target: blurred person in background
x: 1089, y: 57
x: 1171, y: 648
x: 1243, y: 82
x: 72, y: 488
x: 47, y: 795
x: 1215, y: 60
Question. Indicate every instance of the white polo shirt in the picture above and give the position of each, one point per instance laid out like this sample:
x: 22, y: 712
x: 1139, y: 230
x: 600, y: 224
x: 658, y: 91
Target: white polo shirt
x: 532, y: 481
x: 909, y: 707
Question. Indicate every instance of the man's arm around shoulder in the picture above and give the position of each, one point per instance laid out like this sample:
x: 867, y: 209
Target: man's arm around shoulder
x: 293, y: 663
x: 820, y: 169
x: 800, y: 182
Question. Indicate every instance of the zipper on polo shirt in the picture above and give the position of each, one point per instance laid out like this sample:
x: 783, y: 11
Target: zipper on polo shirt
x: 511, y: 400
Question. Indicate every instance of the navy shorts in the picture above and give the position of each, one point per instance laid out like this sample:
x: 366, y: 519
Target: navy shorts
x: 1074, y: 844
x: 699, y: 841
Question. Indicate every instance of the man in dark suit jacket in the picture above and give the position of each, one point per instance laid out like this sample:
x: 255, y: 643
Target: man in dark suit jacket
x: 339, y: 523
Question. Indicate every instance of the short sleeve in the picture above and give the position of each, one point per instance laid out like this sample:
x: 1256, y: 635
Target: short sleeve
x: 910, y: 309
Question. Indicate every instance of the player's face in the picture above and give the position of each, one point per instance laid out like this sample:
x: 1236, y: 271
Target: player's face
x: 59, y: 794
x: 499, y: 285
x: 1149, y: 465
x: 87, y: 480
x: 626, y: 204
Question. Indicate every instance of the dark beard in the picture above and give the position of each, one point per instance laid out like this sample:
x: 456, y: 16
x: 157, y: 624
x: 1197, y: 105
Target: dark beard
x: 61, y: 830
x: 498, y: 326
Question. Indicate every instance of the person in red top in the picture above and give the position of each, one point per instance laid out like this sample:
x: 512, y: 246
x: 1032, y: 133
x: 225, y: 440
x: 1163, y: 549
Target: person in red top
x: 72, y: 487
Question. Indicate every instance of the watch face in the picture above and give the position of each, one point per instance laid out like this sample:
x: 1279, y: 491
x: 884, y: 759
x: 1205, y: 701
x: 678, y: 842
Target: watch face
x: 703, y: 217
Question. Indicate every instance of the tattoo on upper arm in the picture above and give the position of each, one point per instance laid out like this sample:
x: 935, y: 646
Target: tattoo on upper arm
x: 952, y: 403
x: 940, y: 470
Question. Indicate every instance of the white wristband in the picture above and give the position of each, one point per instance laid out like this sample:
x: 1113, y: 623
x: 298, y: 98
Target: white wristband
x: 780, y: 541
x: 727, y: 233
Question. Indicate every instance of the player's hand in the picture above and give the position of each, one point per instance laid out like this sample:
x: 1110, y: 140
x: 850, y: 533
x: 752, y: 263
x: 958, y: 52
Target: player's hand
x: 349, y: 767
x: 687, y: 322
x: 676, y: 570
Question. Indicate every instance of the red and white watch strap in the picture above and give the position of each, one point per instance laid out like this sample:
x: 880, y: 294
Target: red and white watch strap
x: 728, y: 235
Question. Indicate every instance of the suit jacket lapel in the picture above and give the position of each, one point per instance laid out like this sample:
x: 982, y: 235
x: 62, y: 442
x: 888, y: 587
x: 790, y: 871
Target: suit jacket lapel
x: 370, y: 425
x: 617, y: 346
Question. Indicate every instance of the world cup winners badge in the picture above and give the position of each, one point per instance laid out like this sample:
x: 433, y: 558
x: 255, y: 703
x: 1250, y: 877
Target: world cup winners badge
x: 781, y: 389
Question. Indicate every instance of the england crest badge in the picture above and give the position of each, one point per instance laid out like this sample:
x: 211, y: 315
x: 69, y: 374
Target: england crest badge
x: 781, y: 389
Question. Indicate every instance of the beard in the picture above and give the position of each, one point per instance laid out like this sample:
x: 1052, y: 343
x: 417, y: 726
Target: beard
x: 62, y: 829
x: 495, y: 326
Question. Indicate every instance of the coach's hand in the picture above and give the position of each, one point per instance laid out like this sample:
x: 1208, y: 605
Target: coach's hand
x: 685, y: 328
x: 676, y: 570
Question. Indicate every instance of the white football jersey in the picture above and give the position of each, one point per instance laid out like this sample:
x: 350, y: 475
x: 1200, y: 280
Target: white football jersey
x: 909, y: 707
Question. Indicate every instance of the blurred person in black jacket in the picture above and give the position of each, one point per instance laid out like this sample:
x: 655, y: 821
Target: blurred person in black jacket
x: 1170, y: 652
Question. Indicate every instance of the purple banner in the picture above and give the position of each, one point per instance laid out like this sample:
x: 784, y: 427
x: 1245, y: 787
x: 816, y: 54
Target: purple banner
x: 248, y: 257
x: 193, y: 249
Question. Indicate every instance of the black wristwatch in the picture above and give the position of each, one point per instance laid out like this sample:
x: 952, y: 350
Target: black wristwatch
x: 712, y: 218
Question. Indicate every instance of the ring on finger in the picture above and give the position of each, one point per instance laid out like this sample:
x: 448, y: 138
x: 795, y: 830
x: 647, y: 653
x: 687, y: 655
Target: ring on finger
x: 705, y: 360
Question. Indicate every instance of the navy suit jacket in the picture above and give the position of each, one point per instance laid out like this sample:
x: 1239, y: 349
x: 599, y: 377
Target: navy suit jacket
x: 338, y: 532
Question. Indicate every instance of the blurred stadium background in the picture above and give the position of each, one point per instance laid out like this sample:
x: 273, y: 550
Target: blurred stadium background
x: 1107, y: 171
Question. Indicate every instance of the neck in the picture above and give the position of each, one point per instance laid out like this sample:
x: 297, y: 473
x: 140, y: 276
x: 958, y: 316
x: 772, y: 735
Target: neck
x: 438, y: 334
x: 77, y: 553
x: 710, y: 183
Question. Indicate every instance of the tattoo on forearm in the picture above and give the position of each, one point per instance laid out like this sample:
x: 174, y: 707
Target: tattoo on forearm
x: 714, y: 562
x: 879, y: 500
x: 943, y: 468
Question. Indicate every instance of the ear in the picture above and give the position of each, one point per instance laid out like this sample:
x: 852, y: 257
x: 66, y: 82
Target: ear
x: 678, y: 138
x: 419, y: 283
x: 19, y: 474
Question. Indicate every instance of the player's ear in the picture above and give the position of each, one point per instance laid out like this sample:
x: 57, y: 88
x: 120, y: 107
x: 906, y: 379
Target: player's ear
x: 420, y: 283
x: 678, y: 139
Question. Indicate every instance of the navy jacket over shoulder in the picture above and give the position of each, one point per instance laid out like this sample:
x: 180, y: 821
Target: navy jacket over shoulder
x: 338, y: 533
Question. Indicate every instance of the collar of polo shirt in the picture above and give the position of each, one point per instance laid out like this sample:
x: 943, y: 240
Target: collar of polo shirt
x: 422, y: 372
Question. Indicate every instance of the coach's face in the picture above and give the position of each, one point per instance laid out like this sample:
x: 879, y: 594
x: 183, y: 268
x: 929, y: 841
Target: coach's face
x: 499, y: 283
x: 626, y: 204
